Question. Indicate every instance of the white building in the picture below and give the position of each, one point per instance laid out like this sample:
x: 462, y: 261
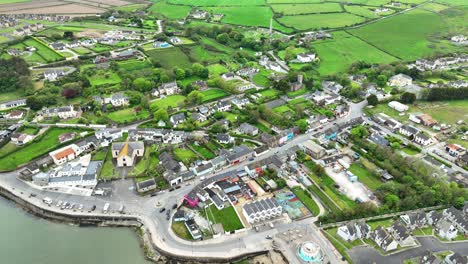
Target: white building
x: 400, y: 80
x: 67, y: 153
x: 261, y: 210
x: 63, y: 112
x: 126, y: 152
x: 305, y: 57
x: 398, y: 106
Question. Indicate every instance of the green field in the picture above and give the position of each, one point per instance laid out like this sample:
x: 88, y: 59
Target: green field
x: 82, y: 50
x: 361, y: 11
x: 365, y: 176
x: 337, y: 54
x: 167, y: 57
x: 213, y: 94
x: 434, y: 7
x: 185, y: 155
x: 134, y: 65
x: 7, y: 149
x: 217, y: 2
x: 130, y: 8
x: 305, y: 198
x: 202, y: 150
x: 42, y: 54
x: 169, y: 11
x: 13, y: 1
x: 254, y: 16
x: 181, y: 230
x: 101, y: 78
x: 408, y: 36
x: 108, y: 170
x: 40, y: 146
x: 217, y: 69
x: 321, y: 21
x: 204, y: 55
x: 292, y: 1
x: 282, y: 109
x: 128, y: 115
x: 169, y: 101
x: 298, y: 9
x: 227, y: 217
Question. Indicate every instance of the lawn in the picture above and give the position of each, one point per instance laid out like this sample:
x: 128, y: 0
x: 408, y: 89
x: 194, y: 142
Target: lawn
x: 299, y: 9
x: 337, y: 54
x: 408, y: 36
x: 269, y: 93
x: 297, y: 93
x: 448, y: 112
x: 202, y: 150
x: 282, y: 109
x: 101, y: 78
x: 134, y: 65
x: 213, y: 94
x: 130, y: 8
x: 7, y: 149
x: 321, y: 21
x: 38, y: 147
x: 227, y: 217
x: 127, y: 115
x: 43, y: 50
x: 306, y: 199
x: 169, y: 101
x: 254, y: 16
x: 206, y: 55
x: 169, y: 58
x: 13, y: 1
x: 82, y: 50
x: 217, y: 69
x: 261, y: 78
x: 169, y: 11
x: 220, y: 47
x: 347, y: 244
x: 361, y: 11
x: 185, y: 155
x: 181, y: 230
x: 365, y: 176
x: 383, y: 223
x: 410, y: 151
x: 108, y: 170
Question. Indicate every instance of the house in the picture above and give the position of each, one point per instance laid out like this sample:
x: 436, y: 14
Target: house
x: 169, y: 88
x: 398, y: 106
x: 313, y: 149
x: 446, y: 229
x: 247, y: 71
x: 119, y: 99
x: 347, y: 232
x: 422, y: 139
x: 332, y: 86
x: 126, y: 54
x: 305, y: 57
x: 427, y: 120
x: 177, y: 119
x: 274, y: 67
x: 224, y: 138
x: 457, y: 218
x: 363, y: 230
x: 161, y: 44
x: 54, y: 74
x: 73, y: 44
x: 247, y: 129
x: 459, y: 38
x: 146, y: 185
x: 172, y: 168
x: 203, y: 169
x: 180, y: 216
x: 400, y: 80
x: 261, y: 210
x: 429, y: 258
x: 455, y: 150
x: 64, y: 154
x: 199, y: 14
x: 237, y: 154
x: 228, y: 76
x: 433, y: 217
x: 414, y: 220
x: 16, y: 114
x: 401, y: 234
x: 100, y: 59
x: 383, y: 239
x: 62, y: 112
x: 456, y: 258
x: 175, y: 40
x: 408, y: 131
x: 197, y: 117
x: 126, y: 153
x: 240, y: 102
x: 222, y: 106
x: 20, y: 138
x: 257, y: 168
x: 66, y: 137
x: 58, y: 46
x: 379, y: 140
x: 12, y: 104
x: 201, y: 84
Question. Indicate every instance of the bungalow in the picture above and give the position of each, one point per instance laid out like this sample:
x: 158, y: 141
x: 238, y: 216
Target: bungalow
x: 12, y: 104
x: 422, y: 139
x: 180, y: 216
x: 126, y: 153
x: 161, y: 44
x: 400, y: 80
x: 347, y: 232
x: 66, y: 137
x: 274, y: 67
x: 247, y: 129
x: 197, y: 117
x: 398, y: 106
x: 224, y: 138
x: 408, y: 131
x: 126, y: 54
x: 20, y: 138
x: 199, y: 14
x: 54, y: 74
x: 177, y: 119
x: 64, y: 154
x: 73, y: 44
x: 306, y: 57
x: 455, y: 150
x: 16, y: 114
x: 58, y: 46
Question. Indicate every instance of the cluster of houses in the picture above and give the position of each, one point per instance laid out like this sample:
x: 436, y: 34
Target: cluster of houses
x: 242, y: 85
x: 458, y: 152
x: 7, y: 21
x: 439, y: 63
x: 447, y: 224
x: 61, y: 112
x: 459, y: 39
x: 312, y: 36
x: 116, y: 100
x: 270, y: 65
x: 28, y: 29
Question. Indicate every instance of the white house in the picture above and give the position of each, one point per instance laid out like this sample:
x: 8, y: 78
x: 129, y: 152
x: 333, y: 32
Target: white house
x: 446, y: 229
x: 20, y: 138
x: 169, y: 88
x: 177, y: 119
x: 408, y: 131
x: 305, y: 57
x: 383, y: 239
x: 400, y: 80
x: 53, y: 75
x: 228, y: 76
x: 126, y: 152
x: 63, y: 112
x: 118, y: 99
x: 247, y: 129
x: 347, y: 232
x: 262, y: 210
x: 64, y: 154
x: 422, y: 139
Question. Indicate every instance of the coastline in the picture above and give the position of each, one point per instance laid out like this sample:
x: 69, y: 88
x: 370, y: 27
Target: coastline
x: 150, y: 250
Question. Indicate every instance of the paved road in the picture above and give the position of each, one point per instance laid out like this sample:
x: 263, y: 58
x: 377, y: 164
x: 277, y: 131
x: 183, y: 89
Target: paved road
x: 368, y: 255
x: 145, y: 209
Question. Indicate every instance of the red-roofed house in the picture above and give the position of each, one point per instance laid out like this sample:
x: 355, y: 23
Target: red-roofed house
x: 65, y: 154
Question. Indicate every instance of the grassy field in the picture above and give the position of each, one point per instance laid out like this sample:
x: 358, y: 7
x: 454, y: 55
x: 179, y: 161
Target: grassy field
x: 127, y: 115
x: 181, y: 230
x: 365, y: 176
x: 321, y: 21
x: 101, y: 78
x: 166, y: 57
x: 169, y: 101
x: 205, y: 152
x: 44, y: 144
x: 185, y: 155
x: 204, y: 55
x: 43, y: 51
x: 13, y: 1
x: 448, y: 112
x: 217, y: 2
x: 282, y: 109
x: 213, y: 94
x: 130, y: 8
x: 217, y: 69
x: 227, y: 217
x: 82, y: 50
x: 134, y: 65
x: 297, y: 9
x: 394, y: 36
x: 361, y: 11
x: 108, y: 170
x: 306, y: 200
x: 255, y: 16
x: 291, y: 1
x: 337, y: 54
x: 169, y: 11
x: 7, y: 149
x: 434, y: 7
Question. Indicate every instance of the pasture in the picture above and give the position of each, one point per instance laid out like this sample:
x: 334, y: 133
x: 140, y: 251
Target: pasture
x: 361, y: 11
x: 101, y: 78
x: 134, y: 65
x: 337, y: 54
x: 217, y: 2
x: 169, y: 58
x: 321, y: 21
x: 299, y: 9
x: 169, y: 101
x: 169, y: 11
x: 213, y: 94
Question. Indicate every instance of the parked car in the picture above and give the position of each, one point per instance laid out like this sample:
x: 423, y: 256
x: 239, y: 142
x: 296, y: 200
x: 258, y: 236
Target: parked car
x: 162, y: 210
x: 174, y: 206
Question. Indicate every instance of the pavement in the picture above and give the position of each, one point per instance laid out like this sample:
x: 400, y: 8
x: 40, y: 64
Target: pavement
x: 368, y: 255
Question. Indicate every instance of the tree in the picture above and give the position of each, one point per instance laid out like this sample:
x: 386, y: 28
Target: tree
x: 68, y: 35
x: 302, y: 125
x: 372, y: 99
x: 161, y: 114
x: 391, y: 200
x: 222, y: 38
x: 194, y: 97
x: 14, y: 75
x: 179, y: 73
x: 281, y: 85
x: 359, y: 132
x: 142, y: 85
x: 34, y: 103
x: 408, y: 98
x: 381, y: 80
x: 217, y: 128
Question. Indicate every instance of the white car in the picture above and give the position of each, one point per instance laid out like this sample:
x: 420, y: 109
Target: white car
x: 59, y: 203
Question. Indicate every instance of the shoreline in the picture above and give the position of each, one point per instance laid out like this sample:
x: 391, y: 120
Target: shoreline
x: 150, y: 250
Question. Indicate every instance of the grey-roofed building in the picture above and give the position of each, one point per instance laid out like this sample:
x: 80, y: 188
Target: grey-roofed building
x: 146, y: 185
x: 429, y: 258
x: 401, y: 234
x: 223, y: 138
x: 347, y: 232
x: 456, y: 258
x: 237, y: 154
x: 247, y: 129
x: 177, y: 119
x: 262, y: 210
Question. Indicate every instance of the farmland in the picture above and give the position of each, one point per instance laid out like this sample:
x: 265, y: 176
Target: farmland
x: 321, y: 21
x: 169, y: 11
x: 166, y: 57
x: 42, y: 53
x: 339, y: 53
x: 217, y: 2
x: 297, y: 9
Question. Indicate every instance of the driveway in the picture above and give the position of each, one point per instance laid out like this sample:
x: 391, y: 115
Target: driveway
x: 368, y: 255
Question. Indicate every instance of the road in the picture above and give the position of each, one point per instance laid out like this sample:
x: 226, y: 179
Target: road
x: 145, y: 209
x: 283, y: 64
